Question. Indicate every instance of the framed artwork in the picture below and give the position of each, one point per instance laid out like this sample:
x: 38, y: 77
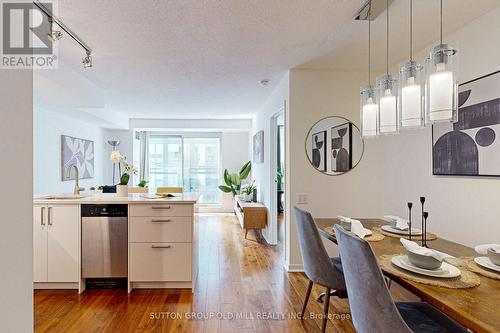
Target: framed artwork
x: 470, y: 147
x: 341, y: 148
x: 319, y: 150
x: 79, y: 152
x: 258, y: 147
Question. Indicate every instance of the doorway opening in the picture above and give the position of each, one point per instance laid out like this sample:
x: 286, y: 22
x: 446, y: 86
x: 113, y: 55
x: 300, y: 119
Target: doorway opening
x: 277, y: 210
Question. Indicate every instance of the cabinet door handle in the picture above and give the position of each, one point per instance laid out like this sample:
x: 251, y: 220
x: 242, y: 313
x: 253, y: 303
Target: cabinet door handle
x: 160, y: 207
x: 42, y: 214
x: 161, y: 246
x: 159, y: 221
x: 49, y: 216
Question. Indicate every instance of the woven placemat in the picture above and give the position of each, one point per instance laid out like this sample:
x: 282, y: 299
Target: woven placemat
x: 374, y: 237
x: 473, y: 267
x: 466, y: 279
x: 430, y: 236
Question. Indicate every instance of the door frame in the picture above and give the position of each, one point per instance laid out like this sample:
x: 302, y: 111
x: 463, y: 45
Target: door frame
x: 273, y: 168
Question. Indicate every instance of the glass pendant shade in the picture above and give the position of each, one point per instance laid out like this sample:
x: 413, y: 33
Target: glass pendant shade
x: 369, y: 112
x: 442, y: 84
x: 387, y: 97
x: 411, y: 92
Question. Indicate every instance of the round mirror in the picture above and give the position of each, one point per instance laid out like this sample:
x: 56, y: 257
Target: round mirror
x: 334, y: 145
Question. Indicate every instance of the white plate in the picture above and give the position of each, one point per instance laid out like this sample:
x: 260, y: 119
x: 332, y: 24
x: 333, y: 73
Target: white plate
x: 486, y: 263
x: 446, y: 271
x: 368, y: 231
x: 414, y: 231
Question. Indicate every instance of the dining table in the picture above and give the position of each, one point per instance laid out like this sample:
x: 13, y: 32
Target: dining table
x: 476, y: 308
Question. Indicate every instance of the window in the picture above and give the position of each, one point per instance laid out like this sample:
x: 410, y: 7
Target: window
x: 190, y: 161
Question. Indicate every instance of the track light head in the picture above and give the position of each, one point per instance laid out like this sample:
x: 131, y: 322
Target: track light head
x: 55, y: 35
x: 87, y: 60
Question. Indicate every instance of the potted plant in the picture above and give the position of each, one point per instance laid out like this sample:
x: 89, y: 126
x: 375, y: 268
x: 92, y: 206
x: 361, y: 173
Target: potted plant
x: 247, y: 192
x: 128, y: 169
x: 143, y: 183
x: 233, y: 180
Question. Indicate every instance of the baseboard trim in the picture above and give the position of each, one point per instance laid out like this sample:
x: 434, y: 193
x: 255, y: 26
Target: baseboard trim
x: 55, y: 285
x: 294, y: 268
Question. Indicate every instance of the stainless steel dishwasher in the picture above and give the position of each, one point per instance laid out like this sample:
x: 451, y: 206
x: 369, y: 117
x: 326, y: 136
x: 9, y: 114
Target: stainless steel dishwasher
x: 104, y: 241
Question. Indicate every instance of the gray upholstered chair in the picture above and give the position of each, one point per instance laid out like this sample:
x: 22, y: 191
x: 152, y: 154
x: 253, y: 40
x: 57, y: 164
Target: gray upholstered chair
x: 318, y: 266
x: 372, y: 308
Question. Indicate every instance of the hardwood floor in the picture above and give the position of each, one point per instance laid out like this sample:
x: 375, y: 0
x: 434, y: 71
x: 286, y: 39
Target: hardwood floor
x: 242, y: 280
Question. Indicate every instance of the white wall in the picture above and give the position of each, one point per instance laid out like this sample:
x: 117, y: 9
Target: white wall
x: 16, y: 201
x: 47, y: 130
x: 262, y: 122
x: 314, y: 95
x: 394, y: 169
x: 463, y: 209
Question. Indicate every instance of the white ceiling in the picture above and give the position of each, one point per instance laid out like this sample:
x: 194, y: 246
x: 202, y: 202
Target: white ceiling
x: 203, y: 59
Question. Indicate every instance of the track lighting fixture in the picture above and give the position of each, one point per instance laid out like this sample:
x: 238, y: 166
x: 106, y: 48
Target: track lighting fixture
x: 53, y: 35
x: 87, y: 60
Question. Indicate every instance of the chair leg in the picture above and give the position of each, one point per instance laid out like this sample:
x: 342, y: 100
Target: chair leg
x: 325, y: 310
x: 308, y: 293
x: 246, y: 232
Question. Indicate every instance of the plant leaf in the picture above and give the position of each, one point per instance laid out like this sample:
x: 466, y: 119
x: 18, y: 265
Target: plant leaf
x: 245, y: 170
x: 235, y: 179
x: 227, y: 178
x: 225, y: 189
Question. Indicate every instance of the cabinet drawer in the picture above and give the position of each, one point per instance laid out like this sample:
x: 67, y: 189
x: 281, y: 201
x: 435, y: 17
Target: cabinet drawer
x: 161, y: 229
x: 157, y: 262
x: 161, y: 209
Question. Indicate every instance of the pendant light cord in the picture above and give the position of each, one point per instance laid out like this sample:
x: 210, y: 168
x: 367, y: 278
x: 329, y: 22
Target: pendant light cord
x: 411, y: 30
x: 387, y: 38
x: 369, y: 42
x: 441, y: 26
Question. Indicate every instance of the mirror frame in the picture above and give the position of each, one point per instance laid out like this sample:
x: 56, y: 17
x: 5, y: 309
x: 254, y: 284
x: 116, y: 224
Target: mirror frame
x: 362, y: 145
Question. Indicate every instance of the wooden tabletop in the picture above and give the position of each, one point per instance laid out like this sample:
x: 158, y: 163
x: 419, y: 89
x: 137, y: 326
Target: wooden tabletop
x: 475, y: 308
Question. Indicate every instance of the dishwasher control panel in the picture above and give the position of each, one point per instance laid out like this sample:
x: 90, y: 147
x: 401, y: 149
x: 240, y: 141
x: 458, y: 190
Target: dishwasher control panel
x: 111, y: 210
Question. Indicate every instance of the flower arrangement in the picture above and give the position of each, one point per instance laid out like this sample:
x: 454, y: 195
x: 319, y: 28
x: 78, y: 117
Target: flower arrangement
x: 128, y: 169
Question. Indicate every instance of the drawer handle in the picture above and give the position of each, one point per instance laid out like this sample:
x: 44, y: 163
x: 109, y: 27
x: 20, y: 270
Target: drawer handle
x: 161, y: 246
x: 160, y: 221
x: 160, y: 207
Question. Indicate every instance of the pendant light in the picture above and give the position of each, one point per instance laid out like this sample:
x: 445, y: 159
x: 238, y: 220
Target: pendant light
x: 441, y: 82
x: 412, y: 88
x: 387, y: 93
x: 369, y: 107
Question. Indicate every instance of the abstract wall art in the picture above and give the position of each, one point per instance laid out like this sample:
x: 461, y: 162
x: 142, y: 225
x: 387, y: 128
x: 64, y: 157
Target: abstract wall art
x: 258, y: 147
x: 341, y: 149
x: 79, y: 152
x: 470, y: 146
x: 319, y: 150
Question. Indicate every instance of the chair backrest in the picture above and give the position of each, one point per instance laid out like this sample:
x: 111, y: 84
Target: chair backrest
x: 169, y: 190
x: 372, y: 307
x: 137, y: 189
x: 317, y: 264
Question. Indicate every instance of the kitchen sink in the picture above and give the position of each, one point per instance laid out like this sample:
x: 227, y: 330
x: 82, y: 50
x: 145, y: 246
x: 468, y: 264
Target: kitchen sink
x: 68, y: 196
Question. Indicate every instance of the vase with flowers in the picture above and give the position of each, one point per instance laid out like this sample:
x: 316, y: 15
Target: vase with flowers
x: 128, y: 169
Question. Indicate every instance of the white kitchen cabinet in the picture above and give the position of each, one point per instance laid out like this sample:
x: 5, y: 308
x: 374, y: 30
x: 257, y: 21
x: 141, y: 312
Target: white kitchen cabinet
x: 56, y: 243
x: 40, y: 244
x: 161, y: 245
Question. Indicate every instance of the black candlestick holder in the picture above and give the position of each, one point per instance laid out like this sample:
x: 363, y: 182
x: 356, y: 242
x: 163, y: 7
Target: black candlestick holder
x: 422, y: 201
x: 410, y: 205
x: 424, y: 235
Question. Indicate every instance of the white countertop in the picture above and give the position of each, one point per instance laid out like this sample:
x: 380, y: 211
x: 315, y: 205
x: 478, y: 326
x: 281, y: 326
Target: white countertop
x: 111, y: 198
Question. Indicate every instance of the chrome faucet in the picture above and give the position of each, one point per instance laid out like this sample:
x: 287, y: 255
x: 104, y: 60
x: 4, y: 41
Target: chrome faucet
x: 68, y: 174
